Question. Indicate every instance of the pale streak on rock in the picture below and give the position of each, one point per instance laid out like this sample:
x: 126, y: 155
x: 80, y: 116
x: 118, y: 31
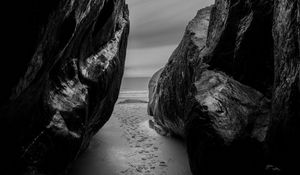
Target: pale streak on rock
x: 94, y: 66
x: 55, y: 110
x: 58, y: 125
x: 73, y: 95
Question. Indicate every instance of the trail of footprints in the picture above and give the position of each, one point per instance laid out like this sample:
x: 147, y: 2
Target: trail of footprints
x: 144, y: 158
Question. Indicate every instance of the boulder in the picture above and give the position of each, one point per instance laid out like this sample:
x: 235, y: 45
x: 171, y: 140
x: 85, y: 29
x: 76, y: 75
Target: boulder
x: 152, y: 88
x: 169, y: 87
x: 226, y: 124
x: 284, y: 133
x: 257, y: 43
x: 240, y: 42
x: 235, y: 97
x: 65, y: 85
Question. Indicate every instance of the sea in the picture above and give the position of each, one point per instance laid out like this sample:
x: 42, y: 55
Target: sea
x: 134, y: 87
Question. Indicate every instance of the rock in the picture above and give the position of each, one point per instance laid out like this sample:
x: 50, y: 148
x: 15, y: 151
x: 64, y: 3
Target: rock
x: 240, y: 42
x: 152, y: 88
x: 272, y: 170
x: 168, y: 87
x: 160, y: 130
x: 225, y: 126
x: 284, y: 133
x: 68, y: 83
x: 216, y: 94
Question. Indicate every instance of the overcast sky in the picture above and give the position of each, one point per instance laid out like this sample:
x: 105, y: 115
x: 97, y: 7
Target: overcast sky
x: 157, y: 27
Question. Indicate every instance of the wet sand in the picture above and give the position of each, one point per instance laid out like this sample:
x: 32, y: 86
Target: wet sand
x: 127, y: 146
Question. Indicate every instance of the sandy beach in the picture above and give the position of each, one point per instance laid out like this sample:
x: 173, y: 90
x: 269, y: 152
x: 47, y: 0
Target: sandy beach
x: 127, y: 146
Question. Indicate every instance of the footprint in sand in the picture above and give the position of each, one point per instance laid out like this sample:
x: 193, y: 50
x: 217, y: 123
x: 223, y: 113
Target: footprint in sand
x: 127, y: 146
x: 144, y: 147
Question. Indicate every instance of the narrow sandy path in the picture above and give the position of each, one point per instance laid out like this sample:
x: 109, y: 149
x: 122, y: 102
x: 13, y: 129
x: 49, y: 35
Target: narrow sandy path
x: 127, y: 146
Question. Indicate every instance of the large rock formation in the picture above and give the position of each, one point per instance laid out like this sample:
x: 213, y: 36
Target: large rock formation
x: 225, y: 117
x: 283, y: 136
x: 170, y: 85
x: 226, y: 123
x: 63, y: 82
x: 152, y: 88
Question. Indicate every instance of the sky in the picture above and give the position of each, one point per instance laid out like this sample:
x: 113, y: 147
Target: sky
x: 156, y: 28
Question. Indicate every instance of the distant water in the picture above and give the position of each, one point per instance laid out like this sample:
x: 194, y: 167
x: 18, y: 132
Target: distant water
x: 135, y: 84
x: 142, y: 95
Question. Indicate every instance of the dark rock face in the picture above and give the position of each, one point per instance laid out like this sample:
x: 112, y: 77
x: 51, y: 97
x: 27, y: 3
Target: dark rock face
x: 283, y: 137
x: 71, y: 83
x: 236, y: 43
x: 225, y: 125
x: 167, y: 101
x: 152, y: 88
x: 234, y: 97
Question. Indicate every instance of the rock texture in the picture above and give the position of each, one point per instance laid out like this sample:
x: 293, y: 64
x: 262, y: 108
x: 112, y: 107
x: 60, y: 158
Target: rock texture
x: 167, y: 101
x: 234, y: 97
x: 66, y: 84
x: 283, y: 137
x: 226, y: 123
x: 152, y: 88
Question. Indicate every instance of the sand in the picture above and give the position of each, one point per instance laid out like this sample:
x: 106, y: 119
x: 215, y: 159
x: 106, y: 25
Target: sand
x: 127, y: 146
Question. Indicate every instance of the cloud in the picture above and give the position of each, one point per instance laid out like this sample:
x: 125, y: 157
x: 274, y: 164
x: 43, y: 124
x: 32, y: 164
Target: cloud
x: 143, y: 62
x: 160, y: 22
x: 157, y: 27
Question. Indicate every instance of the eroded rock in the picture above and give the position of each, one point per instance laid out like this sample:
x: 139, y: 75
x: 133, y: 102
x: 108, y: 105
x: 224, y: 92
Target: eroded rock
x: 169, y: 87
x: 225, y: 126
x: 152, y: 88
x: 70, y: 87
x: 283, y: 137
x: 234, y: 98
